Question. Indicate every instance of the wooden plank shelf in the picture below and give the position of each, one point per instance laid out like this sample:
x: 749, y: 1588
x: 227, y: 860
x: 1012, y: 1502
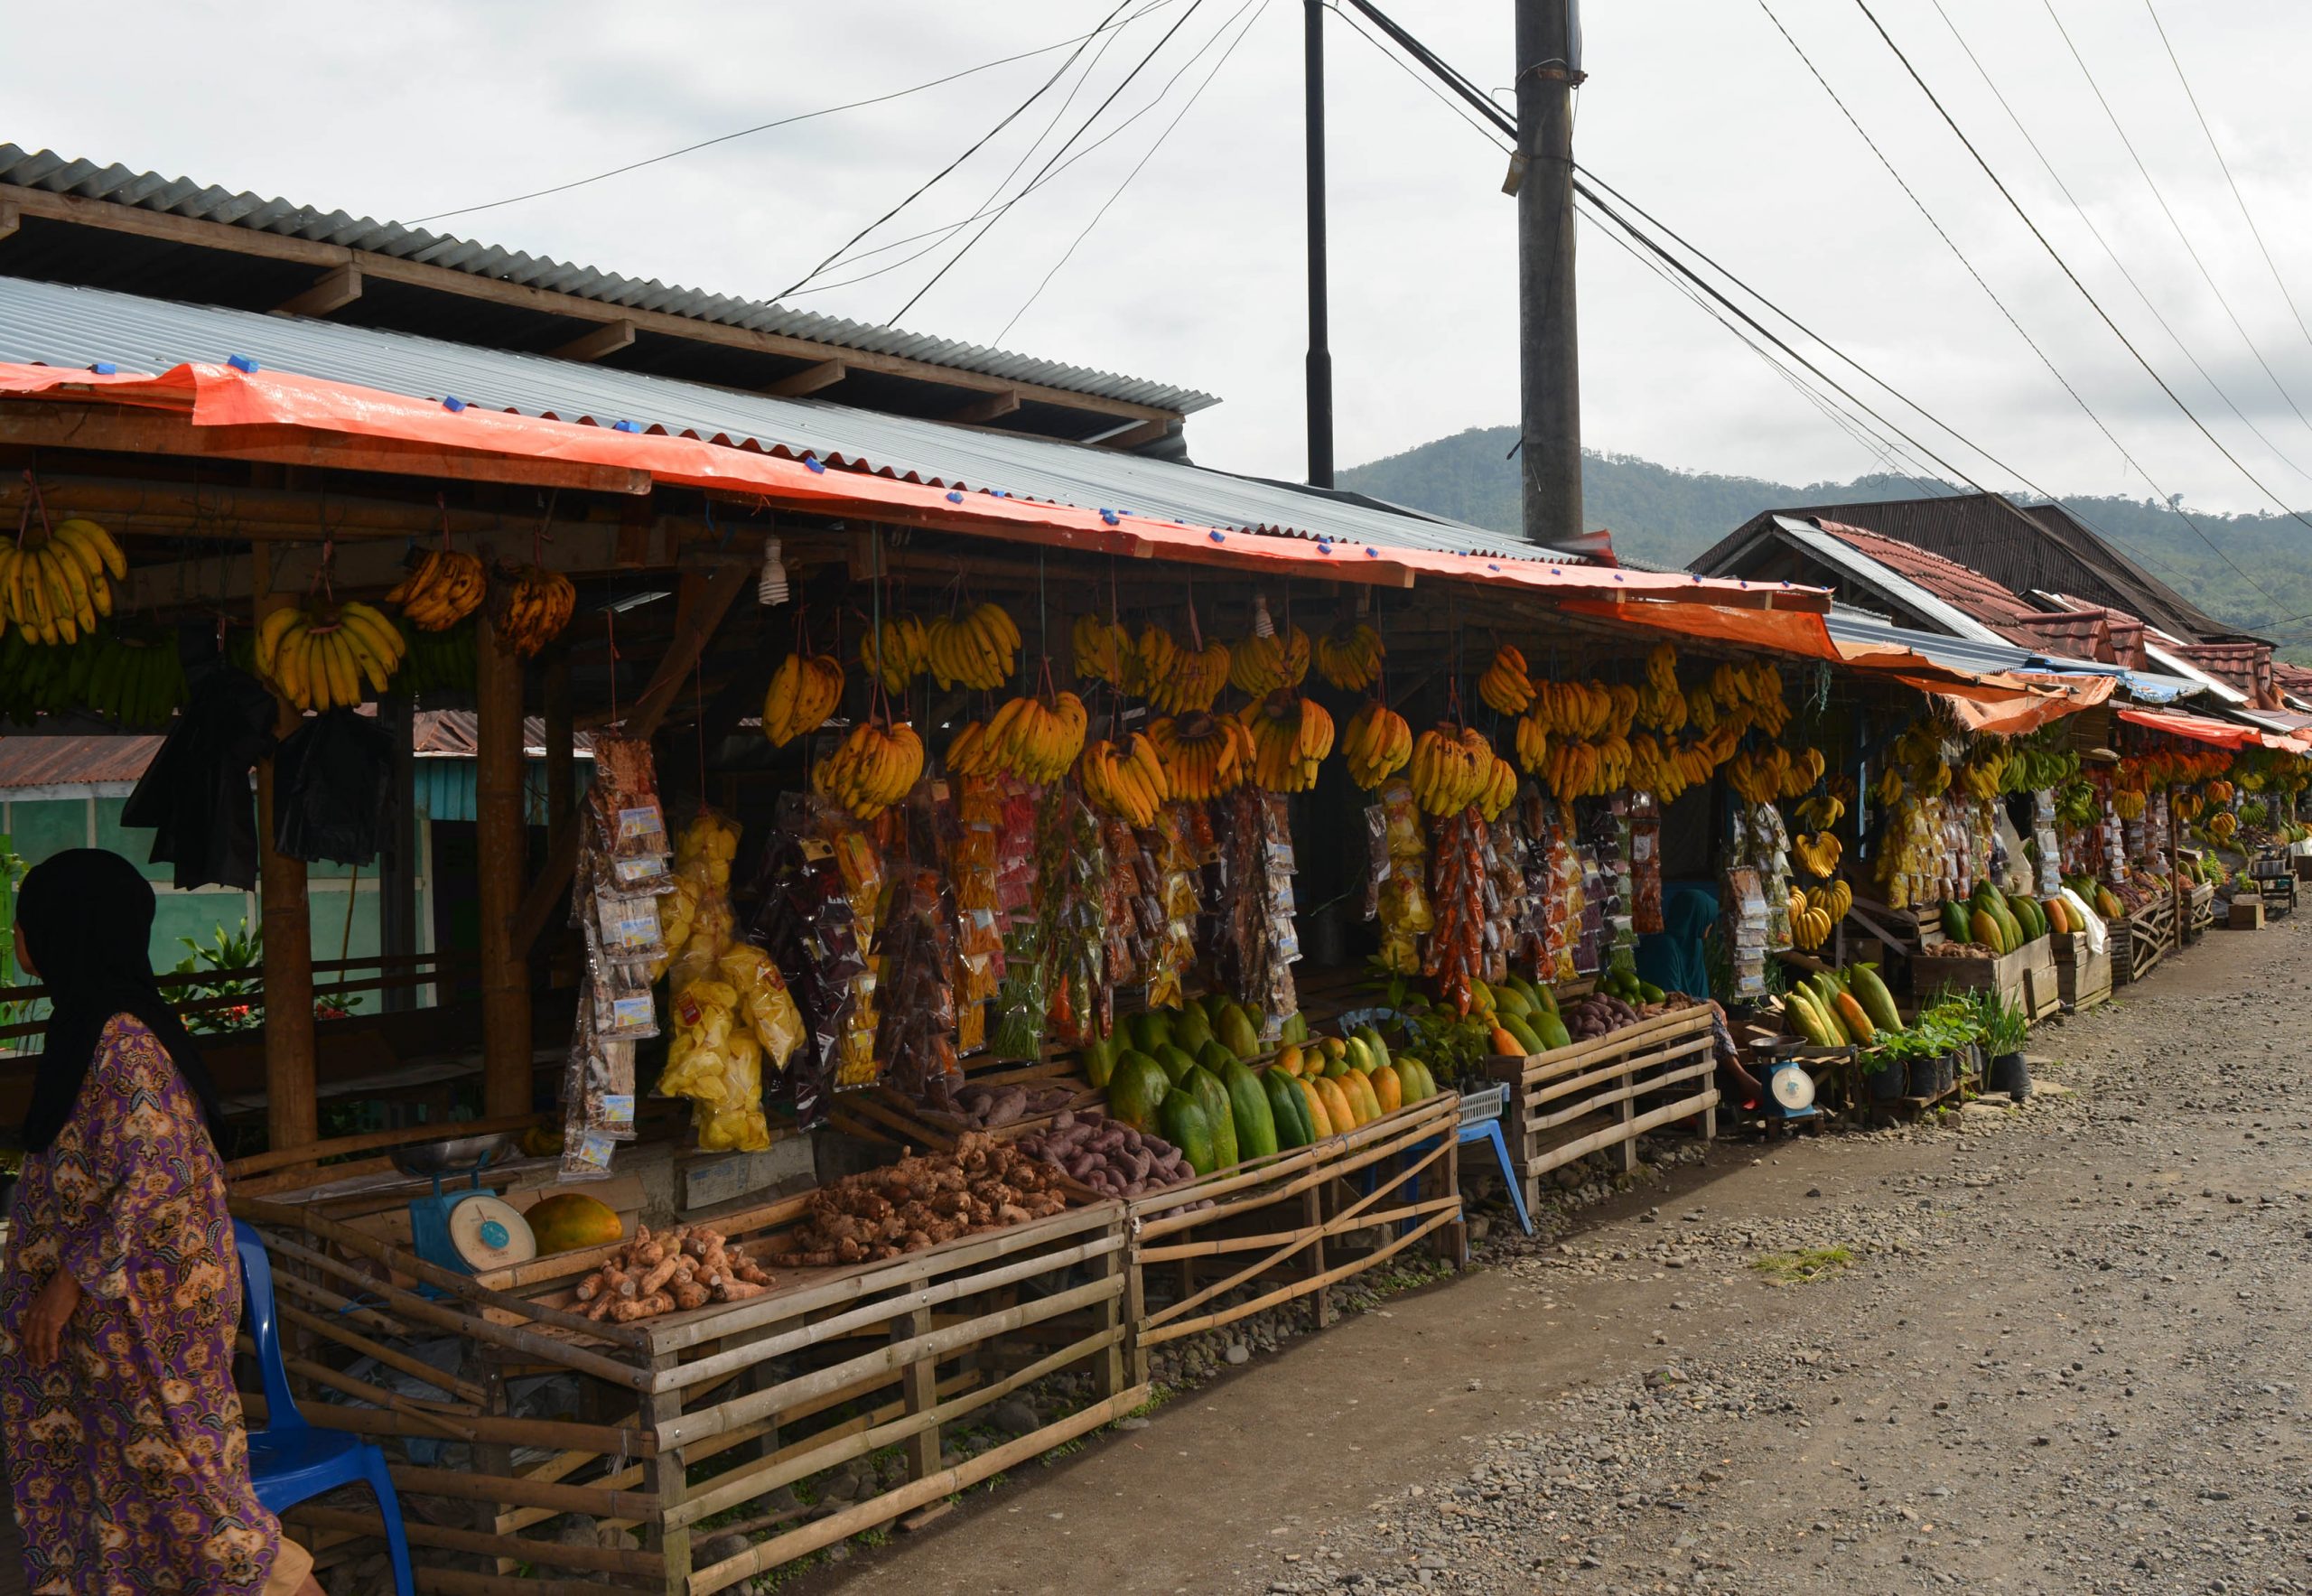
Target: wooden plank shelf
x: 1607, y: 1091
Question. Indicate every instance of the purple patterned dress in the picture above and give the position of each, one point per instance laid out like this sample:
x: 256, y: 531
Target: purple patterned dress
x: 126, y: 1456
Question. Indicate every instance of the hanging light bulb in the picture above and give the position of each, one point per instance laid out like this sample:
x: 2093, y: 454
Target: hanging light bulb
x: 772, y: 590
x: 1262, y: 627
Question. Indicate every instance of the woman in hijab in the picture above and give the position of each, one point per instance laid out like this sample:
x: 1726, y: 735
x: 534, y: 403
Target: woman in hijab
x: 121, y: 1292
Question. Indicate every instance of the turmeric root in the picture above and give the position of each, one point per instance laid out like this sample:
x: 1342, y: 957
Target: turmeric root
x: 643, y: 1308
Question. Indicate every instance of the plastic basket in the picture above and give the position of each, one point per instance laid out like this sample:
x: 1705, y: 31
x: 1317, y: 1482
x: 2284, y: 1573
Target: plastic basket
x: 1488, y: 1103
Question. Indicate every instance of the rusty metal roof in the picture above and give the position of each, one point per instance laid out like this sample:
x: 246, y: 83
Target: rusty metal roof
x: 34, y: 759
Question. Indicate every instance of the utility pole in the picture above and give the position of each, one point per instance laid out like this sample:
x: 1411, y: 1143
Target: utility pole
x: 1549, y: 66
x: 1320, y: 356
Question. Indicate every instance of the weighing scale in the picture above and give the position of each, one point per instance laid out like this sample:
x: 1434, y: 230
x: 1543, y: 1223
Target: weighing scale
x: 468, y: 1230
x: 1790, y: 1091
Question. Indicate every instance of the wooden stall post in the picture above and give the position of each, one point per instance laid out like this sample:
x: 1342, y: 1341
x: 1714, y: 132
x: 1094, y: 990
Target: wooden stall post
x: 503, y: 843
x: 291, y: 1108
x: 561, y: 750
x: 397, y: 875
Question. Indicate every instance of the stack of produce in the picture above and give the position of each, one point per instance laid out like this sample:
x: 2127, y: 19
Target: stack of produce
x: 920, y: 1201
x: 687, y: 1268
x: 1621, y: 999
x: 984, y: 1107
x: 1841, y: 1008
x: 1525, y: 1019
x: 1111, y: 1157
x: 1996, y: 921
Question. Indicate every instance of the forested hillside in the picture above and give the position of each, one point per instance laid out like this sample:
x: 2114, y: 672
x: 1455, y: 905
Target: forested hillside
x: 1662, y: 516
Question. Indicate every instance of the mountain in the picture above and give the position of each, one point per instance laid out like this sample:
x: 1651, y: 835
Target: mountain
x: 1662, y: 516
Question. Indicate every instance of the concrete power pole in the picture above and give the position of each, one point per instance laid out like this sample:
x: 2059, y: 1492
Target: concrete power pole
x: 1320, y: 356
x: 1549, y: 66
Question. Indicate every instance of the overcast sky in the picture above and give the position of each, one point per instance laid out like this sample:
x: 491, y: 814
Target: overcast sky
x: 1697, y: 109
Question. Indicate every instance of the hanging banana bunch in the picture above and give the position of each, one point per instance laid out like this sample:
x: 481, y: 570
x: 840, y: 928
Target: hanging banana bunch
x: 446, y: 587
x: 1101, y: 650
x: 1034, y: 739
x: 1204, y: 754
x: 1291, y: 735
x: 1505, y: 684
x: 977, y: 648
x: 321, y: 659
x: 875, y: 767
x: 1377, y: 744
x: 53, y: 586
x: 1128, y: 782
x: 895, y: 652
x: 1661, y: 705
x: 1264, y: 665
x: 529, y: 606
x: 1451, y: 768
x: 804, y: 692
x: 1349, y: 656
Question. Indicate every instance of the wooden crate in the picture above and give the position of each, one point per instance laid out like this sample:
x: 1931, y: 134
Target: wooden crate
x: 692, y: 1415
x: 1607, y: 1092
x: 2009, y: 975
x: 1274, y: 1230
x: 2042, y: 985
x: 2082, y: 977
x: 2247, y: 914
x: 2138, y: 941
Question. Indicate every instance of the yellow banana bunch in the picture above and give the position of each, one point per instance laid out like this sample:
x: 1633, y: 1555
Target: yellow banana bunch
x: 1500, y: 790
x: 1757, y: 776
x: 1888, y: 789
x: 1580, y: 710
x: 1823, y: 811
x: 1809, y: 927
x: 803, y: 691
x: 2185, y: 807
x: 1800, y: 770
x: 1100, y: 649
x: 52, y: 587
x: 1451, y: 768
x: 1204, y: 754
x: 1349, y: 656
x: 2127, y: 803
x: 2223, y: 825
x: 1589, y: 770
x: 1127, y: 782
x: 2217, y: 792
x: 896, y: 652
x: 1377, y: 744
x: 1533, y: 743
x: 1819, y: 852
x: 1036, y: 741
x: 976, y: 649
x: 1291, y: 735
x: 530, y: 605
x: 324, y: 658
x: 875, y: 769
x: 1666, y: 769
x: 1505, y: 684
x: 1260, y: 665
x: 1751, y: 694
x: 1834, y: 899
x: 1177, y: 680
x: 446, y: 587
x: 1661, y: 705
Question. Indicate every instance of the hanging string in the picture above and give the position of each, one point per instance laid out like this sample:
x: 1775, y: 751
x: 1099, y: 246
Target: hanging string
x: 539, y: 538
x: 610, y: 627
x: 698, y: 684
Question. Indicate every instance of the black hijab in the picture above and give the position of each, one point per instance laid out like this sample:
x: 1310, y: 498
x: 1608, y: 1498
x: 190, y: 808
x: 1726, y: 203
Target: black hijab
x: 87, y: 917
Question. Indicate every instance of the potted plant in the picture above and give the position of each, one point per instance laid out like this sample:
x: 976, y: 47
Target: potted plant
x: 2003, y: 1027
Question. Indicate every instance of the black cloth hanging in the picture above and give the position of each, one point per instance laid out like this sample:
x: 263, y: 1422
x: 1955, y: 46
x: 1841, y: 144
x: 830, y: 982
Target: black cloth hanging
x: 195, y: 796
x: 332, y: 785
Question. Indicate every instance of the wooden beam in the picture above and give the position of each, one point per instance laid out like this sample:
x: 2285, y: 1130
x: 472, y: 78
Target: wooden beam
x: 10, y: 216
x: 338, y: 287
x: 1133, y: 436
x: 291, y: 1106
x: 979, y: 411
x: 708, y: 601
x: 502, y: 841
x: 810, y: 380
x: 54, y: 423
x: 213, y: 235
x: 605, y: 340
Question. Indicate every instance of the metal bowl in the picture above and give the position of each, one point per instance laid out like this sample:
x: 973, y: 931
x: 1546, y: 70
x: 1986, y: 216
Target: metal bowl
x: 454, y: 1157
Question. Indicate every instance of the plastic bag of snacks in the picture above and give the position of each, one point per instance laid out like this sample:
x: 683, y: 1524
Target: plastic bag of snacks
x: 624, y: 799
x: 770, y: 1012
x: 915, y: 1038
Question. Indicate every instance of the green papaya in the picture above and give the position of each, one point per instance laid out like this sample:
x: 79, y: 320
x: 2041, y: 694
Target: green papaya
x: 1955, y: 924
x: 1099, y: 1056
x: 1507, y: 1001
x: 1190, y: 1031
x: 1650, y: 992
x: 1551, y: 1032
x: 1871, y: 993
x: 1213, y: 1098
x: 1287, y: 1108
x: 1182, y: 1122
x: 1374, y: 1048
x: 1248, y: 1107
x: 1517, y: 1026
x: 1235, y: 1031
x: 1150, y: 1030
x: 1214, y: 1057
x: 1545, y: 998
x: 1136, y: 1089
x: 1177, y: 1062
x: 1296, y: 1030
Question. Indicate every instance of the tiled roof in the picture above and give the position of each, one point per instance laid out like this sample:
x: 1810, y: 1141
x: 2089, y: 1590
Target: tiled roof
x: 2237, y: 665
x: 2082, y: 637
x: 1960, y: 586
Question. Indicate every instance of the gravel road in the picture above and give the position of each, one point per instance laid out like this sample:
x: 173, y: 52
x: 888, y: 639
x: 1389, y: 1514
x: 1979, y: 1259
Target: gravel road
x: 2053, y: 1348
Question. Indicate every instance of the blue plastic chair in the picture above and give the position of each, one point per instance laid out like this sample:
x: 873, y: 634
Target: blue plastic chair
x: 1483, y: 1130
x: 290, y: 1460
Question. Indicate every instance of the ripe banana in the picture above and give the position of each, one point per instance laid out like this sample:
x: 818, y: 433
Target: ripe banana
x: 804, y: 692
x: 1349, y: 656
x: 445, y: 588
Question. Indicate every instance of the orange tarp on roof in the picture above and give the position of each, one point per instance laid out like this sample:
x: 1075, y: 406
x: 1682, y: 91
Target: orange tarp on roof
x: 2199, y: 728
x: 228, y: 396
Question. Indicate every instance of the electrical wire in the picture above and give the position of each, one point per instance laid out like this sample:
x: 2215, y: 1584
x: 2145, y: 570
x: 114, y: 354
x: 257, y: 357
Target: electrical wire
x: 2240, y: 198
x: 976, y: 145
x: 2076, y: 396
x: 1428, y: 87
x: 2055, y: 256
x: 724, y: 138
x: 2095, y: 232
x: 1140, y: 66
x: 2182, y: 236
x: 1258, y: 8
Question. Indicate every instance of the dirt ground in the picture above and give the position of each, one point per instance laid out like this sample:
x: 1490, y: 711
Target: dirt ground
x: 2053, y: 1348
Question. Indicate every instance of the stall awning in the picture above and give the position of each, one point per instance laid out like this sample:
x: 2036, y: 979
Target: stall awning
x: 2198, y: 728
x: 224, y: 406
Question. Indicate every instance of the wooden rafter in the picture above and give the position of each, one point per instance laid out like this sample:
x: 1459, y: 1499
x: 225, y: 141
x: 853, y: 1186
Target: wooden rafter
x: 605, y: 340
x: 979, y: 412
x: 337, y: 287
x: 810, y: 380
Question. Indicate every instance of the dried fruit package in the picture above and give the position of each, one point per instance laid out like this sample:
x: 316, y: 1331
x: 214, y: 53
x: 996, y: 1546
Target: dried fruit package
x: 805, y: 923
x: 1402, y: 893
x: 1174, y: 955
x: 1453, y: 956
x: 916, y: 1036
x: 1249, y: 918
x: 1646, y: 866
x: 625, y: 801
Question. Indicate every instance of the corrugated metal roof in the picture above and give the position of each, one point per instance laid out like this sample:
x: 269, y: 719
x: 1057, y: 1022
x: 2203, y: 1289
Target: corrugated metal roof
x: 1984, y: 656
x: 149, y: 190
x: 1900, y: 588
x: 55, y: 762
x: 45, y: 323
